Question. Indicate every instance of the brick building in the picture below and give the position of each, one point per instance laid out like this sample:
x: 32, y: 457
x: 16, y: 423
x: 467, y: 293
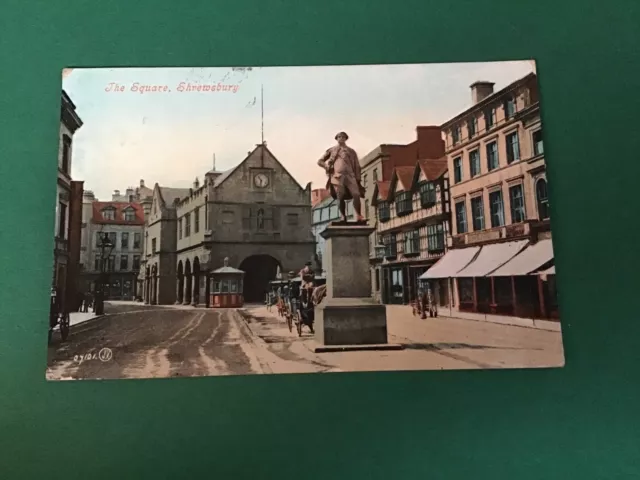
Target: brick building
x: 66, y: 253
x: 500, y: 236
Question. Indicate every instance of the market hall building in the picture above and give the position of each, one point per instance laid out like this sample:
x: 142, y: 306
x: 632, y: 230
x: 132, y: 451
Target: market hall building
x: 501, y: 258
x: 255, y: 214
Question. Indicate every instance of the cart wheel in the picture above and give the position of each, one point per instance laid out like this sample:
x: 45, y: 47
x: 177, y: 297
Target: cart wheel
x: 64, y: 326
x: 290, y: 322
x: 299, y: 328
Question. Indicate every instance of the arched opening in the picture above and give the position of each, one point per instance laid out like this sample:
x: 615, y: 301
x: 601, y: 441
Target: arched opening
x: 259, y: 271
x: 196, y: 281
x: 187, y: 283
x: 542, y: 199
x: 180, y: 280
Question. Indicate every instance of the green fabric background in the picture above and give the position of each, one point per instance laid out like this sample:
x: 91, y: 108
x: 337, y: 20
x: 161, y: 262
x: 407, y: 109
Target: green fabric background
x: 580, y: 422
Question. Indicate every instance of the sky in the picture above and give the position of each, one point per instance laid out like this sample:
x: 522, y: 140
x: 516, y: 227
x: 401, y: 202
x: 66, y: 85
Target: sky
x: 170, y: 136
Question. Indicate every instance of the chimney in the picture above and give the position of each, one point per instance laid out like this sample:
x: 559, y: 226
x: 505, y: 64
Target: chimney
x: 196, y: 183
x: 430, y: 142
x: 88, y: 196
x: 480, y: 91
x: 141, y: 183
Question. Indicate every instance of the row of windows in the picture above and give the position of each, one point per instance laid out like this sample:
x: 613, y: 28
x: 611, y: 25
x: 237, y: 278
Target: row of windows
x: 432, y: 240
x: 110, y: 263
x: 510, y: 109
x: 330, y: 213
x: 124, y: 239
x: 404, y: 201
x: 186, y: 221
x: 496, y: 208
x: 109, y: 213
x: 493, y: 162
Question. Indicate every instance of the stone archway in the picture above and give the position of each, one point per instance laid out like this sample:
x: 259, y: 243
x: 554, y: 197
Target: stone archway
x: 187, y: 283
x: 259, y: 271
x: 196, y: 281
x: 180, y: 283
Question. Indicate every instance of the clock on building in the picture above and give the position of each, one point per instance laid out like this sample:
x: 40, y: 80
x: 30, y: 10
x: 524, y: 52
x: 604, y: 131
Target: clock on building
x: 261, y: 180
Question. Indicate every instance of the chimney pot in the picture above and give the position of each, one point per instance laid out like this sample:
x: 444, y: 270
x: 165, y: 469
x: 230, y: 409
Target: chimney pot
x: 481, y: 90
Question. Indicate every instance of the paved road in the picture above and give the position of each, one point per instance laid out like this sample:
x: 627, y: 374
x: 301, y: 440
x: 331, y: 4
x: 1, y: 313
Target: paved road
x: 149, y: 342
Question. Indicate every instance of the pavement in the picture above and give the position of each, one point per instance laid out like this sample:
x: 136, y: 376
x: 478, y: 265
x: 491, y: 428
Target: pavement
x: 140, y: 341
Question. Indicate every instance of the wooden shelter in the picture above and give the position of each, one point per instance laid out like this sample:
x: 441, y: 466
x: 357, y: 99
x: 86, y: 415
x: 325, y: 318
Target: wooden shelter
x: 226, y: 287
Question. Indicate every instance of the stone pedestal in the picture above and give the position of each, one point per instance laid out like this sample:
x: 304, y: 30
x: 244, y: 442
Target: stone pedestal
x: 348, y: 318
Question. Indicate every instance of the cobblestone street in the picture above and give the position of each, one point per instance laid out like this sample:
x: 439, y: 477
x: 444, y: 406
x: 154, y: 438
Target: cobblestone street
x: 148, y: 342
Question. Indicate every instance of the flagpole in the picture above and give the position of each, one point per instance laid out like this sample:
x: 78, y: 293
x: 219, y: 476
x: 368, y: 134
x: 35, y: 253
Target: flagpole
x: 262, y: 125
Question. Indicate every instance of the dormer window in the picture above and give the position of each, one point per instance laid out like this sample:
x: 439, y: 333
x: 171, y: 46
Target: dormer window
x: 109, y: 213
x: 384, y: 213
x: 403, y: 203
x: 427, y: 194
x: 129, y: 215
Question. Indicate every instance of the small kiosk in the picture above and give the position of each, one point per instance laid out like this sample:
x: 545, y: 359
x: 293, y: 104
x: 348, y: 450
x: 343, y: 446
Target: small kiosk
x: 226, y: 287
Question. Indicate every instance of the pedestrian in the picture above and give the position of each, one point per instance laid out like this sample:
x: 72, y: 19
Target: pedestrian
x: 80, y: 300
x: 87, y: 300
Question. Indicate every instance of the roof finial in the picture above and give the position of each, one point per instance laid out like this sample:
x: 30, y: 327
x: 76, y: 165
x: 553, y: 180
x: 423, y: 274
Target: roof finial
x: 226, y: 261
x: 214, y: 162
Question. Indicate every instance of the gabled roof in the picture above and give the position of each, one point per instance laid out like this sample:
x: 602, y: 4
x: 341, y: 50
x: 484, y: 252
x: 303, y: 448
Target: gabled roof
x: 381, y: 191
x: 219, y: 180
x: 405, y: 176
x: 169, y: 195
x: 432, y: 168
x: 119, y: 208
x: 223, y: 176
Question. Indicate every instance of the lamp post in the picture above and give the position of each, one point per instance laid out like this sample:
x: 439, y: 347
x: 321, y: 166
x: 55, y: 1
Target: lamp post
x: 105, y: 252
x: 380, y: 249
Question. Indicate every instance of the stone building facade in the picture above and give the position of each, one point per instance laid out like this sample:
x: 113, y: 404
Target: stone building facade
x: 160, y: 245
x: 123, y: 223
x: 256, y: 214
x: 500, y: 233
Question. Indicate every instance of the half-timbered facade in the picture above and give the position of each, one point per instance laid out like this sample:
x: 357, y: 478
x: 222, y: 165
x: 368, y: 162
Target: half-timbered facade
x: 413, y: 223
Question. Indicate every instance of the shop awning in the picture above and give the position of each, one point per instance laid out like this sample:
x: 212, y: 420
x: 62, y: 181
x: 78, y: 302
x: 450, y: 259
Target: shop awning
x: 453, y: 261
x: 491, y: 257
x: 548, y: 271
x: 527, y: 261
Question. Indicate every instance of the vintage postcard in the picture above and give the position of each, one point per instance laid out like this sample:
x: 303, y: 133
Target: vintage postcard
x: 235, y: 221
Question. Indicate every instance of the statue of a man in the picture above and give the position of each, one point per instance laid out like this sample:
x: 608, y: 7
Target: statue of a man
x: 343, y: 172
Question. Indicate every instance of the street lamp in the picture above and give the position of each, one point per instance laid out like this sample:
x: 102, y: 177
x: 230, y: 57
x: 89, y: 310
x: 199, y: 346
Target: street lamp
x: 105, y: 252
x: 380, y: 250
